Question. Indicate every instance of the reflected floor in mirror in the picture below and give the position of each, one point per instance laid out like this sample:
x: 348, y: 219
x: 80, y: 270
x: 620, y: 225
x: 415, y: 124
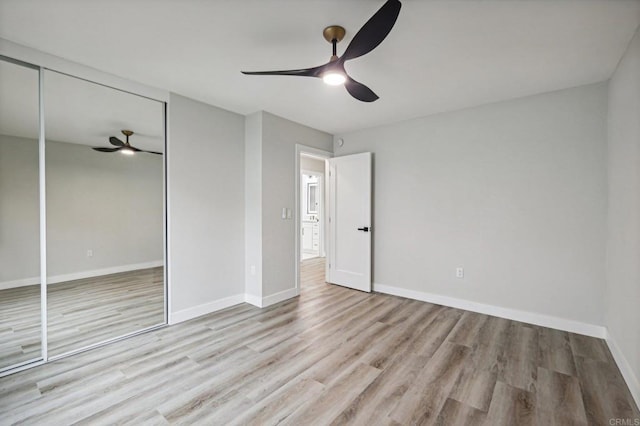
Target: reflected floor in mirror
x: 19, y: 325
x: 91, y: 310
x: 81, y: 312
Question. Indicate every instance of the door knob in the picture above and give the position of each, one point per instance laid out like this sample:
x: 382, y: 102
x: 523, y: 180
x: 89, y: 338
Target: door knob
x: 365, y: 229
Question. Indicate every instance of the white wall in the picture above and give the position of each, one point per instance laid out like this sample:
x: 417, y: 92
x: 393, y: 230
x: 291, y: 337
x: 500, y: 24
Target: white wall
x: 514, y: 192
x: 206, y: 208
x: 622, y: 302
x: 107, y: 203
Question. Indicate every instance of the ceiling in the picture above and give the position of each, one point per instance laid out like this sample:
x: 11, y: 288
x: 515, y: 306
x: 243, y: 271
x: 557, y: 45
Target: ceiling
x: 440, y: 56
x: 76, y: 111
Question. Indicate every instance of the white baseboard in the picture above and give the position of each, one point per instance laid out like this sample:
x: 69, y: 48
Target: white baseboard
x: 263, y: 302
x: 512, y: 314
x: 633, y: 382
x: 216, y: 305
x: 19, y: 283
x: 55, y: 279
x: 279, y: 297
x: 253, y: 300
x: 205, y: 308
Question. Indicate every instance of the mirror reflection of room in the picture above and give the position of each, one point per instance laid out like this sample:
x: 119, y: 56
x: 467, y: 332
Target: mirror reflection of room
x: 312, y: 214
x: 20, y: 309
x: 104, y: 185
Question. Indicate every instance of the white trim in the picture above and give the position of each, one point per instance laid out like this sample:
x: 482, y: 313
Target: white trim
x: 42, y: 185
x: 165, y: 215
x: 497, y: 311
x: 320, y: 154
x: 105, y: 271
x: 253, y: 300
x: 279, y: 297
x: 633, y: 382
x: 80, y: 275
x: 21, y: 367
x: 23, y: 282
x: 205, y: 308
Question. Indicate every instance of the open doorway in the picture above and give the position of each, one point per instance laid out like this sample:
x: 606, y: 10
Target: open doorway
x: 311, y: 209
x: 311, y: 217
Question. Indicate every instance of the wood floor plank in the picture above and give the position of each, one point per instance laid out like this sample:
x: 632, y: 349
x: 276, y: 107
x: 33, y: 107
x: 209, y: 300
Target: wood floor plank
x: 335, y: 397
x: 511, y: 406
x: 559, y: 400
x: 455, y: 413
x: 598, y: 378
x: 520, y: 357
x: 331, y: 356
x: 555, y: 351
x: 423, y: 401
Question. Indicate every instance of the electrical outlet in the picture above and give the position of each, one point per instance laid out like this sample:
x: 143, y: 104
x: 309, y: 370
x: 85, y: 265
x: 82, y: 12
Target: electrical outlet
x: 89, y: 253
x: 459, y: 272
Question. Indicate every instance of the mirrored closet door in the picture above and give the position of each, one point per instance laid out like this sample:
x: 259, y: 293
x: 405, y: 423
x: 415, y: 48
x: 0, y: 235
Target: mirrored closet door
x: 20, y: 289
x: 104, y: 209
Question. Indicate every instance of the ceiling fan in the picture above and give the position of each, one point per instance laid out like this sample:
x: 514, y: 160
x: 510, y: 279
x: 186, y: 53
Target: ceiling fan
x: 123, y: 147
x: 372, y: 33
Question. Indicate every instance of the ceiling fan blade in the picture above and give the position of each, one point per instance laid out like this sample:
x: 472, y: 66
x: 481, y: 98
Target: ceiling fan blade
x: 374, y: 31
x: 101, y: 149
x: 115, y: 141
x: 359, y: 90
x: 152, y: 152
x: 306, y: 72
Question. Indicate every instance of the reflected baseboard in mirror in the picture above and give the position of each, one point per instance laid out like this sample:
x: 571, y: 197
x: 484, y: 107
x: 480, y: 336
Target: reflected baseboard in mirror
x: 91, y: 310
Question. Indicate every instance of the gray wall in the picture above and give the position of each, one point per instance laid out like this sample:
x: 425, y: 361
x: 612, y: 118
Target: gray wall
x: 311, y: 164
x: 622, y: 302
x: 206, y: 203
x: 270, y: 175
x: 253, y: 207
x: 279, y: 138
x: 107, y: 203
x: 514, y: 192
x: 19, y: 209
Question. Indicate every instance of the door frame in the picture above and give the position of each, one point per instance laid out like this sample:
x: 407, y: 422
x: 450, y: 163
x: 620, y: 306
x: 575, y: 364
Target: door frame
x: 321, y: 155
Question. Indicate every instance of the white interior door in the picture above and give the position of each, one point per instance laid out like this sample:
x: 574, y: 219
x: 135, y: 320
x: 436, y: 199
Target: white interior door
x: 350, y: 221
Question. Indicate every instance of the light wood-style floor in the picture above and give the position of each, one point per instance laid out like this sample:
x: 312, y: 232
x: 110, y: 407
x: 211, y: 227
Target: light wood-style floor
x: 81, y: 313
x: 331, y: 356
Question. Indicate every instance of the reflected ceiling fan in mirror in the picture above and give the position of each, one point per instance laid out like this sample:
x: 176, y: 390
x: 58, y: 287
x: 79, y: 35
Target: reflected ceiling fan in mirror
x: 123, y: 147
x: 372, y: 33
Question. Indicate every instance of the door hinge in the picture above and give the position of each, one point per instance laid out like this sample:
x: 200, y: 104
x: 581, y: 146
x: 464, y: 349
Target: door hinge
x: 329, y: 219
x: 329, y: 266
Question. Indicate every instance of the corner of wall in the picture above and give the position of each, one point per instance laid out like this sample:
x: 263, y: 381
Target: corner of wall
x: 253, y: 208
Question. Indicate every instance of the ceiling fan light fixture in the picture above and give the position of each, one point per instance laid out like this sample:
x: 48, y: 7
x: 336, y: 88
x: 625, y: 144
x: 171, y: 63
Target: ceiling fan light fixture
x: 334, y: 78
x: 127, y: 151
